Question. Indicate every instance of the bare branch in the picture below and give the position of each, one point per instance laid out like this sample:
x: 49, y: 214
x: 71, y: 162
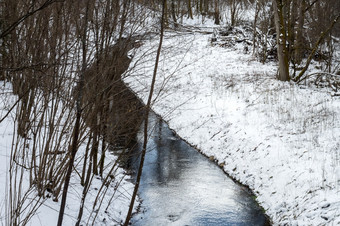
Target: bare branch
x: 27, y: 15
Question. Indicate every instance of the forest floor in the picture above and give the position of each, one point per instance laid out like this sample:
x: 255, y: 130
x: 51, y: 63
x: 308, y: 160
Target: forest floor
x: 279, y: 138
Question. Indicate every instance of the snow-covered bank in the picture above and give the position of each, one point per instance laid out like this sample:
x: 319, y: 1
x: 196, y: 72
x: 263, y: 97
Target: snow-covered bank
x: 108, y: 208
x: 277, y: 138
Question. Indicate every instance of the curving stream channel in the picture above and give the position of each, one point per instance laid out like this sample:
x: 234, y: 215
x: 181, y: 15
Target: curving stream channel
x: 180, y: 186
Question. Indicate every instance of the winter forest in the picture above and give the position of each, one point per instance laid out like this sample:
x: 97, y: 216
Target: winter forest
x: 169, y: 112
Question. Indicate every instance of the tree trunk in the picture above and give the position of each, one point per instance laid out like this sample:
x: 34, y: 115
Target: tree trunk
x: 189, y: 10
x: 94, y: 150
x: 281, y: 38
x: 217, y: 12
x: 298, y: 50
x: 173, y: 12
x: 292, y: 16
x: 206, y: 6
x: 256, y: 15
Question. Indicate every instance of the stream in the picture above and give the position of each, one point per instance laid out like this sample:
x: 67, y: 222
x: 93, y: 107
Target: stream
x: 180, y: 186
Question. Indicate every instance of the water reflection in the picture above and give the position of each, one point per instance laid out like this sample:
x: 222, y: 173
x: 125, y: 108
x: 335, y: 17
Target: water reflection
x: 179, y: 186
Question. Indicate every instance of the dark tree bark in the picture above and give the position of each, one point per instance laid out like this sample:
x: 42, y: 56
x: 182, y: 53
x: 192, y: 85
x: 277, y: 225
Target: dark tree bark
x: 298, y: 47
x: 281, y: 37
x: 217, y: 12
x: 173, y: 12
x: 189, y: 10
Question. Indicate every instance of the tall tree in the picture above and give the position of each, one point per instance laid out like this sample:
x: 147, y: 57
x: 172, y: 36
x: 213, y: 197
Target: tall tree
x: 189, y: 9
x: 217, y: 12
x: 298, y: 45
x: 281, y: 37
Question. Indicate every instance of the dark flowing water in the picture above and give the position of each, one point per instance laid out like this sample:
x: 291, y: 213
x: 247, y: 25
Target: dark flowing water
x: 180, y: 186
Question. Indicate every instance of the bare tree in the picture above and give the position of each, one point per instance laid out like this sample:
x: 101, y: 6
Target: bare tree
x: 33, y: 9
x: 146, y: 120
x: 281, y: 34
x: 47, y: 111
x: 289, y: 22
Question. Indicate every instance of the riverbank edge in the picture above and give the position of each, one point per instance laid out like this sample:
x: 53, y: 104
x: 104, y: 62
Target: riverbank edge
x: 248, y: 189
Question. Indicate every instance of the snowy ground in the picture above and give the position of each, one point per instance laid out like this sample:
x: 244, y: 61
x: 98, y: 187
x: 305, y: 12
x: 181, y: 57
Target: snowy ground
x: 279, y: 139
x: 276, y: 137
x: 113, y: 204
